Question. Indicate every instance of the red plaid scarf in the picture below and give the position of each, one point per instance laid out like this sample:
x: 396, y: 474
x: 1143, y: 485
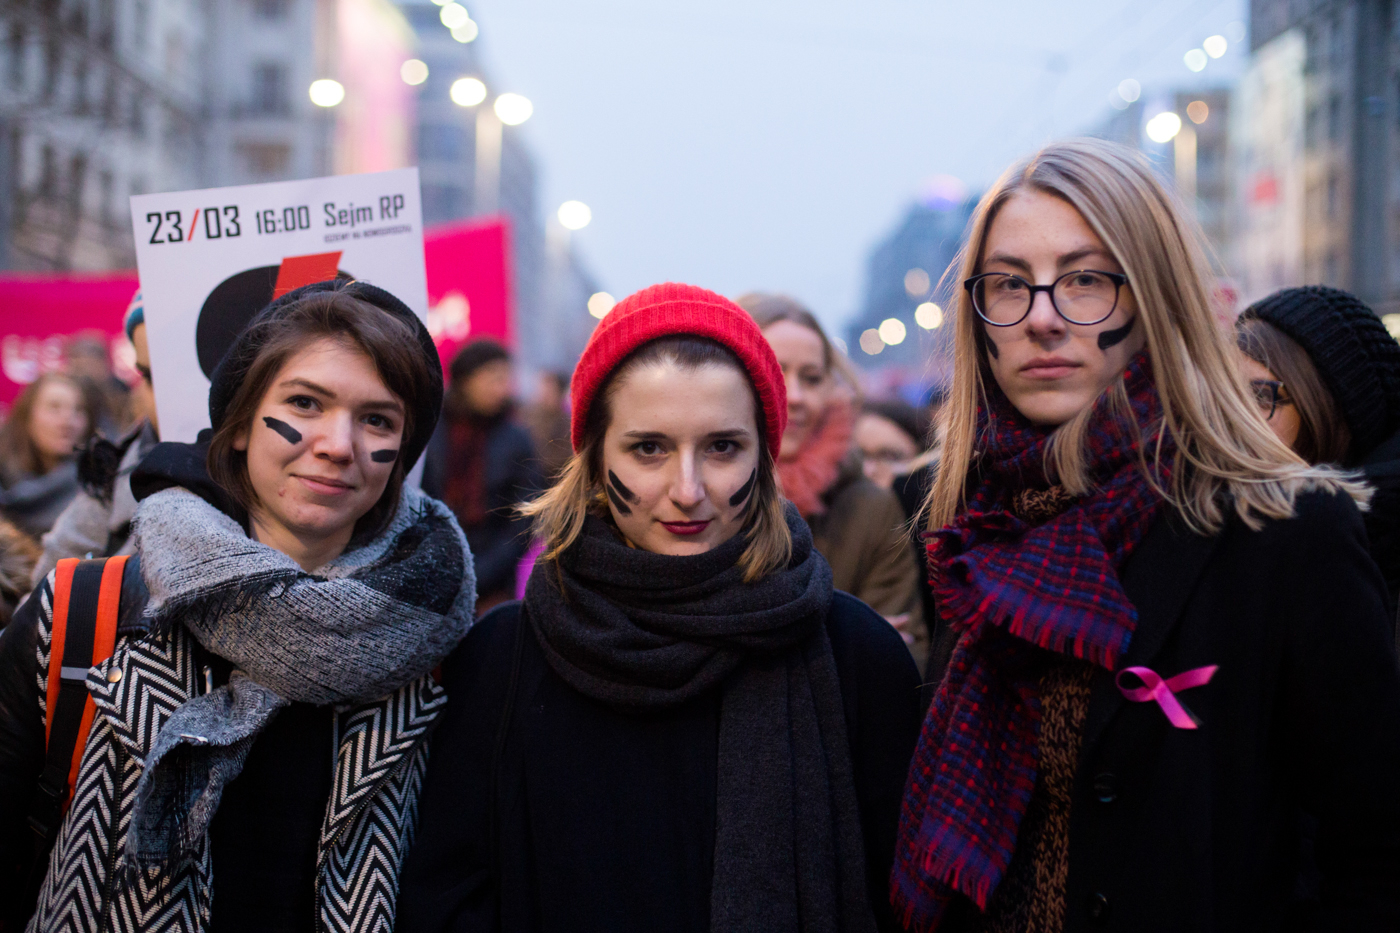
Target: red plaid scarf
x: 1012, y: 590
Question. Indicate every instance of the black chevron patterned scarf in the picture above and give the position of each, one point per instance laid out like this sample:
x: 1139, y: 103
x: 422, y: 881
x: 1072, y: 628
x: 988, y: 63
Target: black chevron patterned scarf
x: 374, y: 619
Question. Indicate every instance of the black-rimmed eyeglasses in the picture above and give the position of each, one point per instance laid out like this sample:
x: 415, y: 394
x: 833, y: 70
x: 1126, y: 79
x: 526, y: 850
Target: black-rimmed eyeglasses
x: 1269, y: 394
x: 1086, y: 296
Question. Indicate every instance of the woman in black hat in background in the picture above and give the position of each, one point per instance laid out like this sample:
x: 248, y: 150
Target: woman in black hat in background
x: 482, y: 464
x: 259, y: 739
x: 1327, y: 376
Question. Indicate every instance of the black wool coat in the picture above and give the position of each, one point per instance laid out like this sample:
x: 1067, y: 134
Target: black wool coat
x: 597, y: 819
x: 1174, y: 829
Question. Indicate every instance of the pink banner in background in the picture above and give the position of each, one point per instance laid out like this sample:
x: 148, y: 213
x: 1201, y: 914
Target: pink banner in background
x: 468, y: 283
x: 40, y: 313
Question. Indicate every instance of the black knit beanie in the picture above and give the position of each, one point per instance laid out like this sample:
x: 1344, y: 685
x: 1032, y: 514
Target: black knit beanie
x: 475, y: 355
x: 1352, y: 351
x: 234, y: 366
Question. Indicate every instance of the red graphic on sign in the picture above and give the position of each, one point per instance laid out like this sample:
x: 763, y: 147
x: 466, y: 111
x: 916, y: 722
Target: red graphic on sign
x: 297, y: 271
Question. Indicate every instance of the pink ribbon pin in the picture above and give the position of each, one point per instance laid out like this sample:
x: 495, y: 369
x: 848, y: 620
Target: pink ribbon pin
x: 1163, y: 692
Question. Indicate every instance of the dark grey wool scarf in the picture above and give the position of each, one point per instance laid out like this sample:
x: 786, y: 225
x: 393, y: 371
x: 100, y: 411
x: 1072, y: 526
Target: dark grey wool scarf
x: 642, y: 630
x: 377, y: 617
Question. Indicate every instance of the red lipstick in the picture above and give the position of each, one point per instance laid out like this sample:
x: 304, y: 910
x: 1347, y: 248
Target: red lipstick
x: 686, y: 528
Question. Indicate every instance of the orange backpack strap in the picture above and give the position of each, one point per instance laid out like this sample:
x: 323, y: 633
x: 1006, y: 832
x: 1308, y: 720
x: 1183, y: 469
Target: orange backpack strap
x: 86, y: 599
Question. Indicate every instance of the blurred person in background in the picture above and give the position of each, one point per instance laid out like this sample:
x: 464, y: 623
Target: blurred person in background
x: 97, y: 522
x: 857, y: 526
x: 86, y: 357
x: 482, y: 464
x: 53, y: 416
x: 1326, y: 373
x: 18, y: 552
x: 548, y: 420
x: 889, y: 433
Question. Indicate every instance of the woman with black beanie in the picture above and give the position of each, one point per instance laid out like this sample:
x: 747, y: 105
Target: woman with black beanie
x: 258, y: 736
x: 1326, y: 373
x: 682, y: 727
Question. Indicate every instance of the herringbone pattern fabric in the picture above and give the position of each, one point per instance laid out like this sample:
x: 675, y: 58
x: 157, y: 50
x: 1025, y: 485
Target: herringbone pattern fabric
x: 369, y: 823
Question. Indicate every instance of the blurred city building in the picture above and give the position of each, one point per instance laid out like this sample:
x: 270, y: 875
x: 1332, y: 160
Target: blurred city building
x: 1318, y: 166
x: 102, y: 99
x: 98, y: 101
x: 909, y: 284
x: 1191, y: 149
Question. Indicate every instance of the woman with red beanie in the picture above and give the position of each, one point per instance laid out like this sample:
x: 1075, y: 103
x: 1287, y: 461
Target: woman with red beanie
x: 682, y: 726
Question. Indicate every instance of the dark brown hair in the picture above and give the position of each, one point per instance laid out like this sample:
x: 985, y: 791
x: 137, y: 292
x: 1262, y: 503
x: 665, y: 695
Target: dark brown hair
x: 18, y: 455
x: 389, y: 343
x: 559, y: 513
x: 1323, y: 435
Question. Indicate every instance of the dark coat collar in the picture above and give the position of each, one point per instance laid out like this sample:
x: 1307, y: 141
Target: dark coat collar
x: 1159, y: 579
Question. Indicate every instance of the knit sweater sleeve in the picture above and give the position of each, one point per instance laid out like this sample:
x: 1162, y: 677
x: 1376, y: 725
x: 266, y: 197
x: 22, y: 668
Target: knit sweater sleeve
x: 24, y: 648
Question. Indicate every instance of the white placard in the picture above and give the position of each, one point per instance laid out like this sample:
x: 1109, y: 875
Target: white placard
x: 202, y: 253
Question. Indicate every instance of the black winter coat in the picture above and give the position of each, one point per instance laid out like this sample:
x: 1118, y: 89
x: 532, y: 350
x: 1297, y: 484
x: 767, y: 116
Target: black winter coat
x: 513, y: 475
x: 1200, y: 830
x: 603, y: 820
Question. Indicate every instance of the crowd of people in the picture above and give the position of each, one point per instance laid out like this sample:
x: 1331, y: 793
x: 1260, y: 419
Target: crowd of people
x: 1102, y: 636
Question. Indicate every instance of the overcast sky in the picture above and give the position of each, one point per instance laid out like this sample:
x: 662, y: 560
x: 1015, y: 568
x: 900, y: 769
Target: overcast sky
x: 769, y: 144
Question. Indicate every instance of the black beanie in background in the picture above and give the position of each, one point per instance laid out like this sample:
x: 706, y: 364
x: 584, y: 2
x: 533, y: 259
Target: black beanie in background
x: 1352, y: 350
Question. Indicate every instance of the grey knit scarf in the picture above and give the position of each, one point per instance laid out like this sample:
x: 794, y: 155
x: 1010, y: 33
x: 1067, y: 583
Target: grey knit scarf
x: 377, y: 617
x: 643, y: 630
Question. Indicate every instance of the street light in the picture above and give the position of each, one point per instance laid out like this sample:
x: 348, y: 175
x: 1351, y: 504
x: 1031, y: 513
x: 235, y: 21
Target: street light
x: 454, y: 15
x: 600, y: 303
x: 326, y: 92
x: 468, y: 92
x: 870, y: 341
x: 1195, y: 59
x: 1163, y: 127
x: 892, y: 331
x: 414, y: 71
x: 466, y: 32
x: 916, y: 283
x: 574, y: 215
x: 1215, y: 46
x: 513, y: 109
x: 928, y: 316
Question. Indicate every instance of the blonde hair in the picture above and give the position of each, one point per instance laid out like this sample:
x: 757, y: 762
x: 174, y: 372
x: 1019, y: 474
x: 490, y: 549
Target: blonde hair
x: 1225, y: 452
x: 560, y: 511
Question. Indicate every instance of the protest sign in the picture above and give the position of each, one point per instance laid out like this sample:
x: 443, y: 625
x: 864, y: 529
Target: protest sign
x: 211, y: 259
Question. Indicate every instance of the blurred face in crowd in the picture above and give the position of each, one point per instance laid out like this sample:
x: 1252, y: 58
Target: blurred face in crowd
x: 88, y: 358
x: 321, y: 448
x: 680, y: 456
x: 1049, y: 368
x: 1284, y: 420
x: 143, y: 397
x: 885, y: 448
x: 58, y: 421
x: 487, y: 390
x: 810, y: 385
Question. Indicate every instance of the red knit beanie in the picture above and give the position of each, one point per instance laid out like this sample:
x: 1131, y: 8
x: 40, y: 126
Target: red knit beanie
x: 669, y: 310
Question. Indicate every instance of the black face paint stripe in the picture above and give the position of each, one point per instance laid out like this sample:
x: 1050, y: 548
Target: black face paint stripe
x: 622, y: 490
x: 384, y: 456
x: 617, y: 501
x: 992, y: 350
x: 1112, y: 338
x: 292, y: 435
x: 745, y: 489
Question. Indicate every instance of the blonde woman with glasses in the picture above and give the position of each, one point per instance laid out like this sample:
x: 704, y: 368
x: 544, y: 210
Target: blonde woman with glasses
x: 1172, y: 648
